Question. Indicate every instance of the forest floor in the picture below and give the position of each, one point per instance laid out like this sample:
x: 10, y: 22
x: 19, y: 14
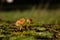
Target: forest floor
x: 46, y: 25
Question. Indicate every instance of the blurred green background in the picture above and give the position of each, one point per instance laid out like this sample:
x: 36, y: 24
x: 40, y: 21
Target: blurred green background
x: 41, y: 16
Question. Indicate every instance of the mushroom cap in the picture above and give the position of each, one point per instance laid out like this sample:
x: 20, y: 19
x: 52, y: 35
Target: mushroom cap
x: 20, y: 22
x: 29, y: 20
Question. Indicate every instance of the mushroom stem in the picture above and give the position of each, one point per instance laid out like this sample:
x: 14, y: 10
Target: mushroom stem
x: 21, y: 27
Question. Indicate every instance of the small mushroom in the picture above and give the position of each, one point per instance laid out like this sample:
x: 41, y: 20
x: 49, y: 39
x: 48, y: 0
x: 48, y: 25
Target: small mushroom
x: 29, y: 20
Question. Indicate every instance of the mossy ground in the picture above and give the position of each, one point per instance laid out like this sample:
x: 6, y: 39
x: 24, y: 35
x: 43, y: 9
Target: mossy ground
x: 46, y: 24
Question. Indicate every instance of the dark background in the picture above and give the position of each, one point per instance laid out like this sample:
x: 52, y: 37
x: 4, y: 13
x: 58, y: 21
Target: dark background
x: 28, y: 4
